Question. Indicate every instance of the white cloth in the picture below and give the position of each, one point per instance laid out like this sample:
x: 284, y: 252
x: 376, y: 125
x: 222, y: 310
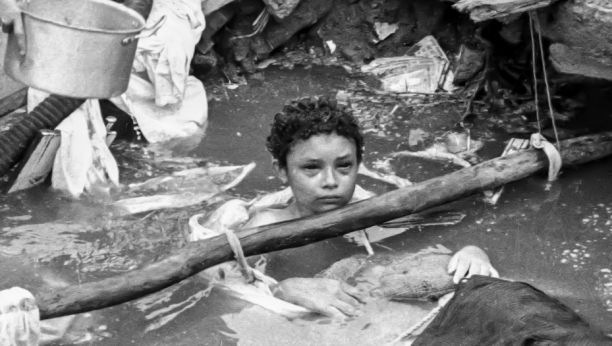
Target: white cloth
x: 166, y: 102
x: 19, y: 318
x: 83, y: 162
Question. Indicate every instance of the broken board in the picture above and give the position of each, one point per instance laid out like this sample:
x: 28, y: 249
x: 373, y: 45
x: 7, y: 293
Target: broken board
x: 38, y: 160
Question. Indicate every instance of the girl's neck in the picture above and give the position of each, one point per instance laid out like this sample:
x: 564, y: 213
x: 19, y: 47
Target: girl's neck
x: 298, y: 212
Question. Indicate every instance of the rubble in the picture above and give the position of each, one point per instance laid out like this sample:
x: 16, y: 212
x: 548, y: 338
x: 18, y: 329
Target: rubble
x: 424, y: 69
x: 582, y: 25
x: 281, y: 9
x: 181, y: 189
x: 574, y: 62
x: 306, y: 14
x: 470, y: 62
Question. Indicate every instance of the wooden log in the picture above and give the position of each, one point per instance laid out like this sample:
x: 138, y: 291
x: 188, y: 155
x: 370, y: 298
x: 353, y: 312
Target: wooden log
x: 200, y: 255
x: 37, y: 161
x: 481, y: 10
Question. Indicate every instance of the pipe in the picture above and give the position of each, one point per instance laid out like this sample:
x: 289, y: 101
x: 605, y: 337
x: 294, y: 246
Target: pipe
x: 47, y: 115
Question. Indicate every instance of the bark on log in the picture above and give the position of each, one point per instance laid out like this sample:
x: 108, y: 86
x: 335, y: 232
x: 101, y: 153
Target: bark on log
x: 198, y: 256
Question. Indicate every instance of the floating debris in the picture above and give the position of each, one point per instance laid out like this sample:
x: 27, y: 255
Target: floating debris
x: 19, y: 218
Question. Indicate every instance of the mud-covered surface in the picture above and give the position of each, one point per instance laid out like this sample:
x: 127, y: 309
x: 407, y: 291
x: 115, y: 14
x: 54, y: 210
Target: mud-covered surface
x: 557, y: 239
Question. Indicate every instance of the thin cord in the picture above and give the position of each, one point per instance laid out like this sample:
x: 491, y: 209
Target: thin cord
x: 547, y: 88
x: 433, y: 313
x: 533, y: 65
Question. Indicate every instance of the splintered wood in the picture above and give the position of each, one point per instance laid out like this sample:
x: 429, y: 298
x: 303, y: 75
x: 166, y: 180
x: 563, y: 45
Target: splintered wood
x: 481, y: 10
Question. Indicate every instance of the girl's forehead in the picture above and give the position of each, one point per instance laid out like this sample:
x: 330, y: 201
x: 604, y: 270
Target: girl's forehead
x: 322, y: 146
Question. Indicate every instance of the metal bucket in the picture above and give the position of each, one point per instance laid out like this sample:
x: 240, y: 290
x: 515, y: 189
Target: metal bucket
x: 76, y: 48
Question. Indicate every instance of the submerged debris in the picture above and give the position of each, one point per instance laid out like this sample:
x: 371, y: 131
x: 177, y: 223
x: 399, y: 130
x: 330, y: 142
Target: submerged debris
x: 405, y: 276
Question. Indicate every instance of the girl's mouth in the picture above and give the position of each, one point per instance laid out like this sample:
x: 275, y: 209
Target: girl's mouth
x: 330, y: 199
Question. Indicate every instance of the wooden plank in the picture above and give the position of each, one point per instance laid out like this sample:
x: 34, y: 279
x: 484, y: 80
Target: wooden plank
x: 481, y: 10
x: 13, y: 101
x: 197, y: 256
x: 38, y: 160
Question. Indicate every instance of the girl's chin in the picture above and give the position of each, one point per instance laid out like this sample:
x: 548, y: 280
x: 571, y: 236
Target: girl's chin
x: 327, y: 207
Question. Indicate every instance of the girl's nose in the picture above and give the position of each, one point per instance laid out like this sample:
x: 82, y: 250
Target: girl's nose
x: 330, y: 180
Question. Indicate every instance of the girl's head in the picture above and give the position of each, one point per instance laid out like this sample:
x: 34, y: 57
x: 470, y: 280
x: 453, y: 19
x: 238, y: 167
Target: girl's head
x: 301, y: 119
x: 317, y: 148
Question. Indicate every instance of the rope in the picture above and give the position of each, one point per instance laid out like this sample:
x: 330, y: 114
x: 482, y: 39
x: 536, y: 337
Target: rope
x: 550, y: 107
x: 252, y: 276
x: 430, y: 316
x: 535, y: 77
x: 234, y: 243
x: 537, y: 140
x: 533, y: 20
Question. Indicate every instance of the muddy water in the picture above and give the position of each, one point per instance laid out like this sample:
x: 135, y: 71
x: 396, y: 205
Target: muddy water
x: 559, y: 239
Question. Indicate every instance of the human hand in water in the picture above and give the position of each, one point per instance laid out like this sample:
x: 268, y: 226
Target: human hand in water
x: 469, y: 261
x: 326, y: 296
x: 11, y: 22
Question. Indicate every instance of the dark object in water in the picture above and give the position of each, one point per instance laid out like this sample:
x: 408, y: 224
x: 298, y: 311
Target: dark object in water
x: 428, y: 218
x: 47, y: 115
x: 488, y: 311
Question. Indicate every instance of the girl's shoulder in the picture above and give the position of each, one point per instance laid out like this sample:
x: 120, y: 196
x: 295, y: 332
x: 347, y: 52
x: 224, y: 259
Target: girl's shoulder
x: 269, y: 215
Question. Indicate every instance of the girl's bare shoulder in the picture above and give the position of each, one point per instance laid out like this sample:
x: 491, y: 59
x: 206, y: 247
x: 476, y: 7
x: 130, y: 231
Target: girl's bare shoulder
x: 267, y: 216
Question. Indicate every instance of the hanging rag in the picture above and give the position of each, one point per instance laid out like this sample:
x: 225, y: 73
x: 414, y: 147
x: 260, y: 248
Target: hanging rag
x: 165, y: 101
x: 554, y: 157
x: 83, y: 162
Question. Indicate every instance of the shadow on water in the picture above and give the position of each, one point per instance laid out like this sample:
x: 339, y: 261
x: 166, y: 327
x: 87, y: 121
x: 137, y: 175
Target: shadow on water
x: 557, y: 240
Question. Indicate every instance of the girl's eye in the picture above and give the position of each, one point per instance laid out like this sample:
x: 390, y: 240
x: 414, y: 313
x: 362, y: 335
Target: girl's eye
x: 345, y: 165
x: 310, y: 166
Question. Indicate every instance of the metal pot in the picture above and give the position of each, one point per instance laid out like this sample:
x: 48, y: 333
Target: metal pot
x: 76, y: 48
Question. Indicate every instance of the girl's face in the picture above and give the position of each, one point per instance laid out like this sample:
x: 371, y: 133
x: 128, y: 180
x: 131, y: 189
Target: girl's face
x: 322, y: 172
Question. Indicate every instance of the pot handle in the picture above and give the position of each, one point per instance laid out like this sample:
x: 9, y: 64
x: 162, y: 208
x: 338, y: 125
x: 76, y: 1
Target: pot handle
x: 145, y: 33
x: 7, y: 28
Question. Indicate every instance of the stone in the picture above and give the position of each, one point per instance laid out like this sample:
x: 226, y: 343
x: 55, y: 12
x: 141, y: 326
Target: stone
x: 584, y: 25
x: 214, y: 22
x: 306, y: 14
x: 580, y: 30
x: 470, y: 62
x: 571, y: 61
x: 281, y: 9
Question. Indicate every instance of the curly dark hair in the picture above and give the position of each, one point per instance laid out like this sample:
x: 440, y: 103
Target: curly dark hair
x: 301, y: 119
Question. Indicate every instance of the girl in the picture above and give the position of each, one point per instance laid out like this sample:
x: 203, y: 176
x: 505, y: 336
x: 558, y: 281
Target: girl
x: 317, y: 147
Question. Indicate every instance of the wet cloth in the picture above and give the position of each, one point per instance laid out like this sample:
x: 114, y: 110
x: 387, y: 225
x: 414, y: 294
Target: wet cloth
x: 489, y: 311
x: 166, y: 102
x: 242, y: 281
x: 19, y: 318
x: 83, y: 162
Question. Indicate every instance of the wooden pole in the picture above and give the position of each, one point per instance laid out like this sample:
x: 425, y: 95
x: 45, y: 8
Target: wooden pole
x: 200, y: 255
